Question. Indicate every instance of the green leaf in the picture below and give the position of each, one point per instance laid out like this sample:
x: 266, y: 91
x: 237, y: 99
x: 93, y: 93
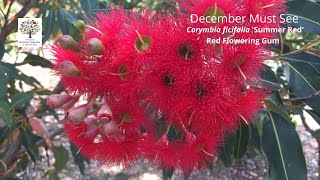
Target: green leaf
x: 5, y: 112
x: 269, y: 79
x: 282, y: 146
x: 3, y: 87
x: 316, y: 134
x: 241, y: 142
x: 167, y: 173
x: 2, y: 50
x: 63, y: 23
x: 30, y: 80
x: 68, y: 16
x: 50, y: 22
x: 29, y: 142
x: 10, y: 70
x: 78, y: 158
x: 89, y: 4
x: 226, y: 151
x: 54, y: 176
x: 61, y: 156
x: 315, y: 115
x: 20, y: 100
x: 35, y: 60
x: 304, y: 80
x: 122, y: 176
x: 274, y: 103
x: 307, y: 13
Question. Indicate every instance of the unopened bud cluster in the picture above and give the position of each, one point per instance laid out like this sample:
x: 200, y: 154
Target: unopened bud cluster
x: 156, y: 92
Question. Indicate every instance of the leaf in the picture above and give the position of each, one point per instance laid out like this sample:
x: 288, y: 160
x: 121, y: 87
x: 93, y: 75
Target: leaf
x: 35, y: 60
x: 29, y: 142
x: 69, y: 16
x: 274, y: 103
x: 5, y: 112
x: 50, y: 22
x: 61, y: 156
x: 304, y: 58
x: 304, y: 81
x: 41, y: 130
x: 20, y: 100
x: 226, y: 152
x: 10, y: 69
x: 2, y: 50
x: 307, y: 13
x: 89, y: 4
x: 63, y: 24
x: 167, y: 173
x: 78, y: 158
x: 241, y: 142
x: 316, y: 134
x: 122, y: 176
x: 30, y: 80
x: 315, y: 115
x: 3, y: 86
x: 282, y: 146
x: 269, y: 79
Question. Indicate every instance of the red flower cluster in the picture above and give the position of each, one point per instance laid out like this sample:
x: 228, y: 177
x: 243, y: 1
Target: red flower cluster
x: 155, y: 91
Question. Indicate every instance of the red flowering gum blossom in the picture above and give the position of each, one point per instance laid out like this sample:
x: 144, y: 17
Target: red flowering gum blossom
x: 112, y: 150
x: 157, y: 92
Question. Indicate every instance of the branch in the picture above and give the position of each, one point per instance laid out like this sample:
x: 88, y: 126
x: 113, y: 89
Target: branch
x: 6, y: 17
x: 306, y: 97
x: 8, y: 27
x: 303, y: 119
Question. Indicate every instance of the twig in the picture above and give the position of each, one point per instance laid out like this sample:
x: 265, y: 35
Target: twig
x: 303, y: 119
x: 306, y: 97
x: 8, y: 27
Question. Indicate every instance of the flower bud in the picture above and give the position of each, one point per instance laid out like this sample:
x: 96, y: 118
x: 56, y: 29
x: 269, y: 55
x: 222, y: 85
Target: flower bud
x: 57, y: 100
x: 81, y: 26
x: 90, y: 122
x: 69, y: 104
x: 68, y: 69
x: 95, y: 46
x: 163, y: 141
x: 110, y: 128
x: 91, y: 133
x: 68, y: 43
x: 105, y: 114
x: 77, y: 114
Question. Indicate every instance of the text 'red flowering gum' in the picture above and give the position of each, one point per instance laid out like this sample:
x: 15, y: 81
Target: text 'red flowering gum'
x: 155, y: 91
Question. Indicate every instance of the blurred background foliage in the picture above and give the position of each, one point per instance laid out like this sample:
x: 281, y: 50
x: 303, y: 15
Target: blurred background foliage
x: 293, y: 77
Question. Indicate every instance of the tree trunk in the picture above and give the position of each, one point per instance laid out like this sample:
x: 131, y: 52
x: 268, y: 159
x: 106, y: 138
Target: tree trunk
x: 30, y: 34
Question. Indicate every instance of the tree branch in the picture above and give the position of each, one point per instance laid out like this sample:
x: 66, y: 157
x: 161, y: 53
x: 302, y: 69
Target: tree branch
x: 8, y: 27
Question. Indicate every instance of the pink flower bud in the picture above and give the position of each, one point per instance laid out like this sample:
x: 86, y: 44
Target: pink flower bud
x: 95, y: 46
x: 91, y: 133
x: 57, y: 100
x: 69, y: 104
x: 90, y: 122
x: 163, y: 141
x: 68, y: 43
x: 77, y: 114
x: 68, y: 69
x: 110, y: 128
x: 105, y: 114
